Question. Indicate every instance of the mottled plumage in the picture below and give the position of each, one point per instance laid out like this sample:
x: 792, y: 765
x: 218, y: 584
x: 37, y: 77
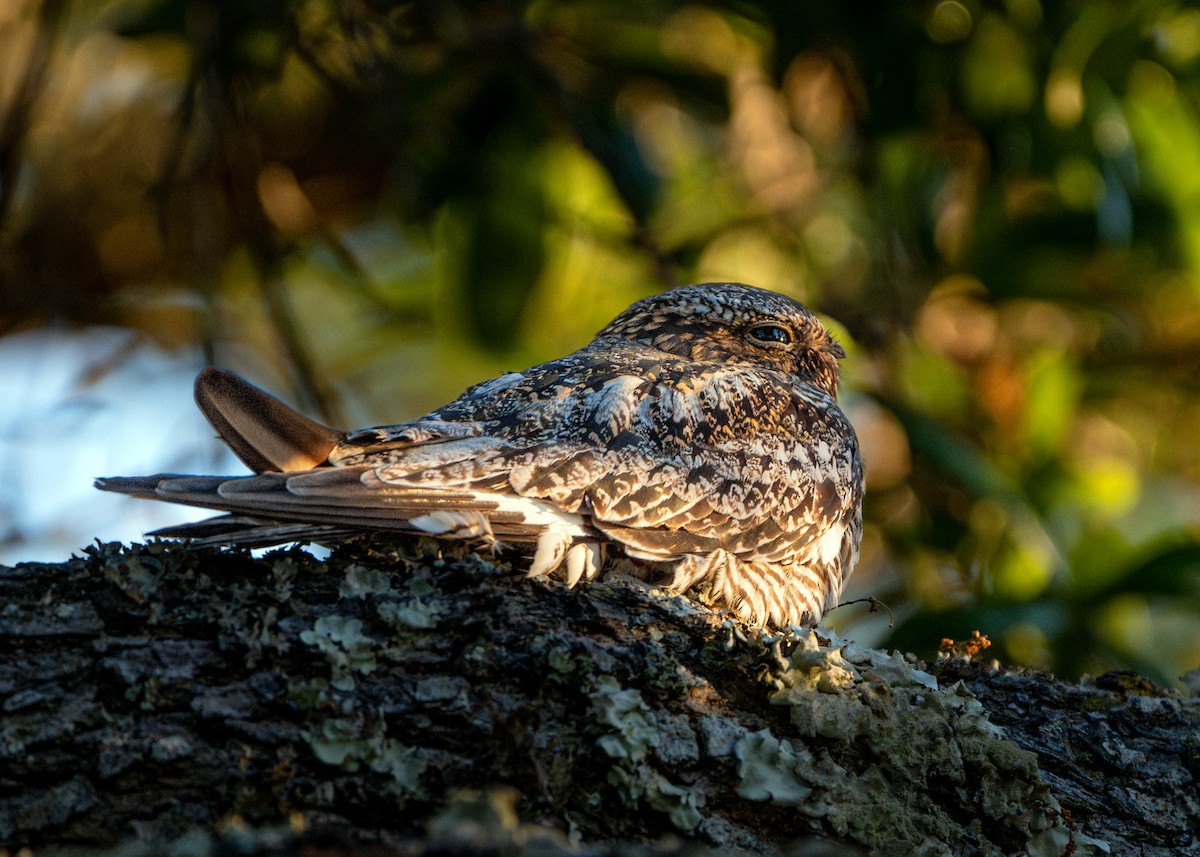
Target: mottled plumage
x: 699, y: 431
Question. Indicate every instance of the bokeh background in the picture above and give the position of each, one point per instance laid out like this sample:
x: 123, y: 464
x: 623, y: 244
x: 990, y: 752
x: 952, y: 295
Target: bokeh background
x: 367, y: 205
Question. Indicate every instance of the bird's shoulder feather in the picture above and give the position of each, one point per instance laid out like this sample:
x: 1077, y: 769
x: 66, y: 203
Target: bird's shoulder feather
x: 665, y: 453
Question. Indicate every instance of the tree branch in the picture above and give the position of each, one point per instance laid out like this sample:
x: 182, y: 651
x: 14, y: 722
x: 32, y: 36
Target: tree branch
x: 148, y: 691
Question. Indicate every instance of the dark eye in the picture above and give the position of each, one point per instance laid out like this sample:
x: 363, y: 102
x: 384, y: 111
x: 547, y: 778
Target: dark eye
x: 771, y: 333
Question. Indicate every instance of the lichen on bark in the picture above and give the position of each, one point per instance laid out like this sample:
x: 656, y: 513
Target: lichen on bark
x: 153, y: 690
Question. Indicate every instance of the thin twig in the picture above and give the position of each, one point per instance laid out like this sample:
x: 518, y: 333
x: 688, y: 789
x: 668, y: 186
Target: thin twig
x: 876, y: 606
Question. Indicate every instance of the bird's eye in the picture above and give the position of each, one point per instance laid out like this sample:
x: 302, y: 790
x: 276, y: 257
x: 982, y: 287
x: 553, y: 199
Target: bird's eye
x: 771, y: 333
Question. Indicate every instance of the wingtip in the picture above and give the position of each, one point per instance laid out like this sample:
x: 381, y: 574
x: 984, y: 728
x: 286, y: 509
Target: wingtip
x: 210, y: 372
x: 265, y: 433
x: 138, y: 486
x: 212, y: 384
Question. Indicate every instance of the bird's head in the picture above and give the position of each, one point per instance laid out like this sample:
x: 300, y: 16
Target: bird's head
x: 734, y: 323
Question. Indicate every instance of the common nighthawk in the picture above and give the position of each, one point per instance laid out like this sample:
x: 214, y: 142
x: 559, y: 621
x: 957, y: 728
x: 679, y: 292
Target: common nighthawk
x: 699, y: 431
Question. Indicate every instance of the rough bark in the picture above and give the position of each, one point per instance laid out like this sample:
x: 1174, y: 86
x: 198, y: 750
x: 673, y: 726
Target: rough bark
x: 394, y: 700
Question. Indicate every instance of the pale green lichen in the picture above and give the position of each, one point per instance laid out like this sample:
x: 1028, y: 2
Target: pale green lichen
x: 360, y: 581
x: 284, y: 569
x: 921, y: 738
x: 628, y: 715
x: 409, y: 614
x: 635, y: 730
x: 348, y: 743
x: 767, y: 769
x: 679, y: 803
x: 343, y: 643
x: 448, y: 692
x: 135, y: 575
x: 403, y: 602
x: 560, y: 660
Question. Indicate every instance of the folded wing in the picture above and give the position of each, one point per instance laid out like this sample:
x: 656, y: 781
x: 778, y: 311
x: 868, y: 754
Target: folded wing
x: 659, y: 457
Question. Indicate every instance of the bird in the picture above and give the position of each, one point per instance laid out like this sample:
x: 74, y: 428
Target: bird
x: 698, y: 435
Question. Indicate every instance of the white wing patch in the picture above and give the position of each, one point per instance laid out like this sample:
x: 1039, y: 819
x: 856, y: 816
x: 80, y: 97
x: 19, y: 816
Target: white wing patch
x: 829, y: 546
x: 682, y: 407
x: 455, y: 524
x: 563, y: 536
x: 615, y: 404
x: 494, y: 385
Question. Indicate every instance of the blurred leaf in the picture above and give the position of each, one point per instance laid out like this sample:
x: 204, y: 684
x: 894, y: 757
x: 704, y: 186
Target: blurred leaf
x: 1166, y: 128
x: 232, y: 36
x: 1174, y: 571
x: 504, y: 247
x: 1023, y: 567
x: 997, y: 73
x: 952, y: 455
x: 614, y: 145
x: 152, y: 18
x: 1052, y: 399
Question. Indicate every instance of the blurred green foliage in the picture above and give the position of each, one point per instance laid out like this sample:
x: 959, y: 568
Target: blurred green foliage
x: 999, y: 203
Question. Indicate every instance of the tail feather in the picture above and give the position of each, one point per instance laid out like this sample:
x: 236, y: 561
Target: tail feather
x: 145, y: 487
x: 282, y: 507
x: 262, y: 431
x: 296, y: 493
x: 247, y: 532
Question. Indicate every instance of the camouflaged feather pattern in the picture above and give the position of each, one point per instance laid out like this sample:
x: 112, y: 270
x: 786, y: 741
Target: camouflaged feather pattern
x: 699, y: 430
